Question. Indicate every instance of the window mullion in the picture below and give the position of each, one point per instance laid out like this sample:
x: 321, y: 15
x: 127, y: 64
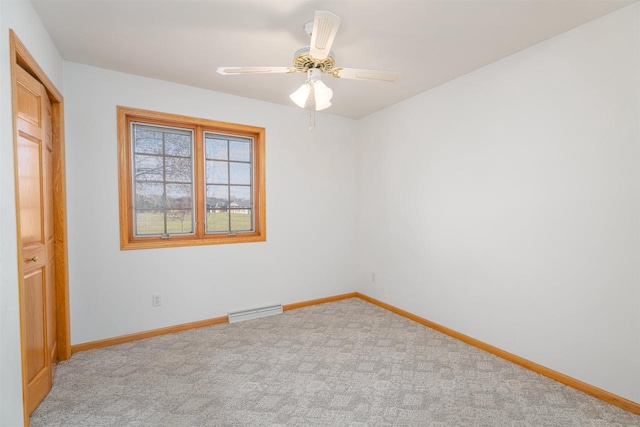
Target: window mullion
x: 164, y: 181
x: 252, y: 179
x: 229, y: 183
x: 199, y: 182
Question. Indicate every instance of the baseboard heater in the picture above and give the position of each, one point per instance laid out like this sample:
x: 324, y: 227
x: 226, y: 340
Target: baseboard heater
x: 254, y: 313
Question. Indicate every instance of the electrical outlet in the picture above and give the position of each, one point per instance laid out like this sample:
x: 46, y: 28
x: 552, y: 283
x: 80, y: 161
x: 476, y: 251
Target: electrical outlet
x: 373, y: 277
x: 156, y: 301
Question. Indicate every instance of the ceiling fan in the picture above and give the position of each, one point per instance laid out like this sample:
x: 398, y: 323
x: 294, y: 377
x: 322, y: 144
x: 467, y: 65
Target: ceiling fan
x: 315, y: 59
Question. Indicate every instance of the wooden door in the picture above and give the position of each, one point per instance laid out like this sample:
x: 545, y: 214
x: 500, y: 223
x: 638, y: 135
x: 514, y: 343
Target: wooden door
x: 35, y: 192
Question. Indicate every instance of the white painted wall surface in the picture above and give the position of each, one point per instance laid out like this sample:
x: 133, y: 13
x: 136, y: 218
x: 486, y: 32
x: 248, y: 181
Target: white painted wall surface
x: 311, y: 208
x: 505, y: 204
x: 19, y: 16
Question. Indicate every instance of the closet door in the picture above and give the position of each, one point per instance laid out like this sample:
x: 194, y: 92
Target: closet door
x: 35, y: 192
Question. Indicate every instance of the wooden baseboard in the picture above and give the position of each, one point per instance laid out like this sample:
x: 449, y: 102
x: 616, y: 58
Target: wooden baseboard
x: 594, y: 391
x: 185, y: 326
x: 146, y: 334
x: 318, y: 301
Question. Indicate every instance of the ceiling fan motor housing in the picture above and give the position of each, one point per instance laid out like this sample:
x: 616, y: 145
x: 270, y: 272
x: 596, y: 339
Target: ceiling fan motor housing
x: 302, y: 61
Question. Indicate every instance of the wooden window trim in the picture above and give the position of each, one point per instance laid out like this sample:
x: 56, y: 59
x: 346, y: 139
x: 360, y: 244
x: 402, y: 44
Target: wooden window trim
x: 125, y: 116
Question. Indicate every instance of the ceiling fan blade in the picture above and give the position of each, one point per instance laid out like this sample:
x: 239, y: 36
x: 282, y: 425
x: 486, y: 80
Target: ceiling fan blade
x: 325, y: 27
x: 358, y: 74
x: 255, y: 70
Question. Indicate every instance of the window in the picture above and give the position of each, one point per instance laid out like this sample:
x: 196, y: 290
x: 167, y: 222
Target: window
x: 228, y: 173
x: 186, y: 181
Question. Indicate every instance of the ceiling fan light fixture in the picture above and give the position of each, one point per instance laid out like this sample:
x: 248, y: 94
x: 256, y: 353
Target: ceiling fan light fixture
x: 322, y: 94
x: 313, y: 94
x: 300, y: 96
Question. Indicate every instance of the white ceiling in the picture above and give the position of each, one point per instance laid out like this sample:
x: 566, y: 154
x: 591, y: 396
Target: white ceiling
x: 428, y: 42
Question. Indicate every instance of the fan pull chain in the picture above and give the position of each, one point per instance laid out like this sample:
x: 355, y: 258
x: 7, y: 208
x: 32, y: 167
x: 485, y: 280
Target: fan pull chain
x: 312, y: 120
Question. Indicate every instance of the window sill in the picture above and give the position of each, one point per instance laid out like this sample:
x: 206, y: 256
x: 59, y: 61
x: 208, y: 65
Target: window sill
x: 180, y: 241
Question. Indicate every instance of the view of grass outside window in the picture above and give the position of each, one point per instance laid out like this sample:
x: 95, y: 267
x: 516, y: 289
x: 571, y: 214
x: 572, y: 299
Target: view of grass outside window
x: 187, y: 181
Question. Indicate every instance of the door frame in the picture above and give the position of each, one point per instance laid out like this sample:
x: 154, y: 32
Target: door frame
x: 20, y: 57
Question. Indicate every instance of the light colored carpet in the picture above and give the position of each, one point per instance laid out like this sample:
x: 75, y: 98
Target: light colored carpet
x: 346, y: 363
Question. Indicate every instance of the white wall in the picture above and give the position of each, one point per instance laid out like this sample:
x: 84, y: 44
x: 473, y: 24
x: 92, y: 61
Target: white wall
x: 505, y: 204
x: 19, y: 16
x: 311, y: 207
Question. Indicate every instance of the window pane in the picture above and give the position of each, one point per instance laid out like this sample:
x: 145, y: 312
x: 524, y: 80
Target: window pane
x: 229, y: 161
x: 216, y: 148
x: 179, y: 196
x: 217, y: 221
x: 178, y: 169
x: 179, y: 221
x: 147, y: 141
x: 163, y: 180
x: 218, y: 196
x: 147, y: 168
x: 149, y: 222
x: 240, y: 150
x: 149, y: 195
x: 241, y: 220
x: 240, y: 196
x: 240, y: 173
x: 217, y: 172
x: 177, y: 144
